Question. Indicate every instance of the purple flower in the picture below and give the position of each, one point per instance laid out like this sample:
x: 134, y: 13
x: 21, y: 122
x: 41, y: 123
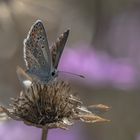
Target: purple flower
x: 98, y: 67
x: 14, y: 130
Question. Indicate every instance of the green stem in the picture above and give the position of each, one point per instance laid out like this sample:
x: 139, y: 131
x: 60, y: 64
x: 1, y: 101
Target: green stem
x: 44, y: 133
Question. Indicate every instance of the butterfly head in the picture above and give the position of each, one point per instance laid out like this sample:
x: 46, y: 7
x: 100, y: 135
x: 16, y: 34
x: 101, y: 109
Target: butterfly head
x: 45, y: 79
x: 54, y: 73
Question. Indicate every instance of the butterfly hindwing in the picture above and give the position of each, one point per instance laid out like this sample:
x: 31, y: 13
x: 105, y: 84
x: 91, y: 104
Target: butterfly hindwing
x: 57, y: 48
x: 36, y: 50
x: 23, y: 77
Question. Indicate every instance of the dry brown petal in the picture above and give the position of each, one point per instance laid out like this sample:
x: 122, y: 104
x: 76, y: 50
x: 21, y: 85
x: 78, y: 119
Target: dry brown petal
x: 75, y: 100
x: 83, y: 109
x: 91, y: 118
x: 99, y: 108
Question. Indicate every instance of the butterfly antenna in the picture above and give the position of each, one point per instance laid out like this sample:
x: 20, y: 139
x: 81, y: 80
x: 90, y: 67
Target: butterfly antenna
x: 81, y: 76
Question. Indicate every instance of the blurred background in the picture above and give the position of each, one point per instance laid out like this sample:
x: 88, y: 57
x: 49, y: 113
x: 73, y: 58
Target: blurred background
x: 104, y: 46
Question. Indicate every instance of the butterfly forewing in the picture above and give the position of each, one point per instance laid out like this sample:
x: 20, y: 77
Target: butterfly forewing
x: 36, y: 50
x: 57, y: 48
x: 30, y: 60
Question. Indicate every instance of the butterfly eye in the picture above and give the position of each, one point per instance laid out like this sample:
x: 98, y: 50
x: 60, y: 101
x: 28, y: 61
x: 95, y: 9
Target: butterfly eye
x: 42, y: 47
x: 53, y: 73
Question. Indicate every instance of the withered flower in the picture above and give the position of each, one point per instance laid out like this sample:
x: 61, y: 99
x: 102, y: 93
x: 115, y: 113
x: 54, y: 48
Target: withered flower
x: 51, y: 106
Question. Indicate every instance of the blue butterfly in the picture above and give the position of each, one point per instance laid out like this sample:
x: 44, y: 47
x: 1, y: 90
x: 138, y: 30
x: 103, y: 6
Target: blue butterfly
x: 41, y: 61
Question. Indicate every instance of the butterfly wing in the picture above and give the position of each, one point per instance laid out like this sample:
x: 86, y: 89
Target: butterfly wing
x: 23, y: 77
x: 58, y: 47
x: 36, y: 50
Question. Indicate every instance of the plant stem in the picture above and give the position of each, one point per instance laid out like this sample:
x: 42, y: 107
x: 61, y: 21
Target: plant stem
x: 44, y: 133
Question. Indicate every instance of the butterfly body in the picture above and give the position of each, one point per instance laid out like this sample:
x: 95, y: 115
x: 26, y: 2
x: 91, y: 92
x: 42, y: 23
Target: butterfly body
x: 40, y: 59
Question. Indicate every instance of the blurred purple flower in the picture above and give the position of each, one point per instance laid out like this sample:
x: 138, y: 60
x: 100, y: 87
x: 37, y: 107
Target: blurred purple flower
x: 98, y: 67
x: 14, y: 130
x: 138, y: 136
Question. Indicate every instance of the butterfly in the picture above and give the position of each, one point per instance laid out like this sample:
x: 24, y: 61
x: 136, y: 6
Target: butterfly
x: 41, y: 60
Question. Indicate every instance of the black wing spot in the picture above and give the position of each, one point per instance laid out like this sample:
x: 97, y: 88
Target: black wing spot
x: 34, y: 29
x: 39, y: 53
x: 43, y: 62
x: 37, y: 23
x: 37, y: 41
x: 43, y: 38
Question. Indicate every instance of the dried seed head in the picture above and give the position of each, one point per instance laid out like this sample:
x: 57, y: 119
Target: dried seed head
x: 51, y: 105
